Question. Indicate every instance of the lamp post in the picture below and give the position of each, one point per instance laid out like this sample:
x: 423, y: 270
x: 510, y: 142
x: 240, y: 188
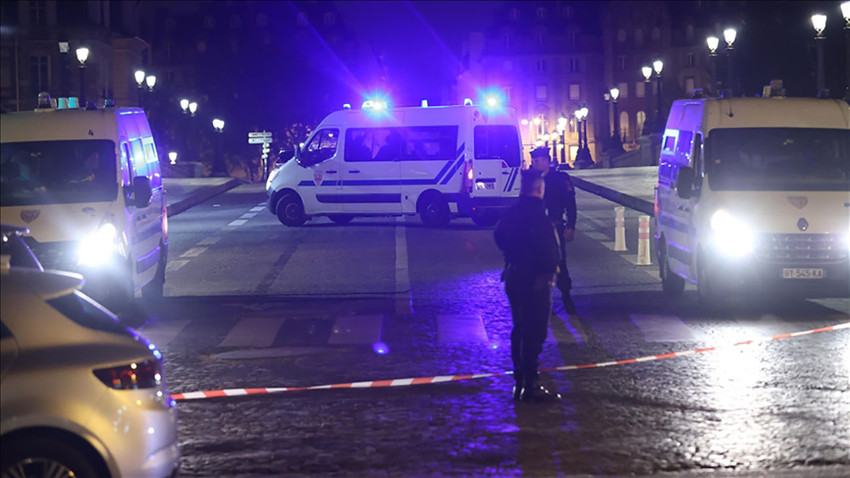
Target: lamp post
x: 82, y: 56
x: 845, y: 12
x: 729, y: 35
x: 64, y: 48
x: 713, y: 42
x: 577, y: 114
x: 615, y: 93
x: 658, y: 65
x: 184, y: 105
x: 647, y: 88
x: 140, y: 80
x: 583, y: 158
x: 193, y: 107
x: 172, y: 157
x: 562, y: 129
x: 819, y: 24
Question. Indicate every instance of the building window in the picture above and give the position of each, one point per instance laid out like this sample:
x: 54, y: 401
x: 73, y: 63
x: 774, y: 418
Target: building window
x: 656, y: 34
x: 621, y: 63
x: 689, y: 85
x: 624, y: 89
x: 330, y: 19
x: 541, y: 65
x: 574, y: 65
x: 640, y: 89
x: 624, y: 125
x: 639, y: 36
x: 262, y: 19
x: 621, y: 35
x: 575, y: 91
x: 40, y: 74
x: 235, y: 21
x: 38, y: 12
x: 690, y: 59
x: 540, y: 92
x: 209, y: 22
x: 541, y: 13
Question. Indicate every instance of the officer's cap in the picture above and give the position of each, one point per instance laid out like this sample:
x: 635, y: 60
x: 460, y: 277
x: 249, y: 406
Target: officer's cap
x: 540, y: 152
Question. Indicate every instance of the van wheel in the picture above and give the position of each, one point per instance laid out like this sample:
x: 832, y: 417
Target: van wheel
x: 290, y: 210
x: 706, y: 293
x: 434, y: 210
x: 672, y: 284
x: 340, y: 218
x: 153, y: 290
x: 485, y: 218
x: 45, y: 456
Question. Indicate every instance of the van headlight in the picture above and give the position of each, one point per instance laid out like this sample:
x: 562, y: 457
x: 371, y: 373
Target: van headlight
x: 99, y: 247
x: 731, y: 236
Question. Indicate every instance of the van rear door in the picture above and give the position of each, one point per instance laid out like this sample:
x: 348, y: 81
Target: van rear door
x: 497, y: 158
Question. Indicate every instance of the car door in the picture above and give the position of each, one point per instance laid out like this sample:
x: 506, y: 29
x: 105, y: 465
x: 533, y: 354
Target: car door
x: 371, y: 170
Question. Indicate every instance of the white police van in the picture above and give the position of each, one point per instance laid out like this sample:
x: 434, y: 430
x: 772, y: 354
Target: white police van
x: 753, y: 195
x: 88, y: 186
x: 378, y: 161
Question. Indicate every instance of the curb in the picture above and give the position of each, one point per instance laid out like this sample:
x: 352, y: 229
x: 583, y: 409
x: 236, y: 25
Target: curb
x: 200, y: 195
x: 630, y: 202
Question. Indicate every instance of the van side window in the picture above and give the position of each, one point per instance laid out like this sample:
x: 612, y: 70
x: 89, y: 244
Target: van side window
x: 153, y: 166
x: 321, y: 147
x: 416, y: 143
x: 498, y: 142
x: 669, y: 143
x: 683, y: 145
x: 140, y: 167
x: 126, y: 165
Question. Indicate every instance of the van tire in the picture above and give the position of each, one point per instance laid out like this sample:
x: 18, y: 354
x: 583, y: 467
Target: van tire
x: 672, y: 284
x: 434, y: 209
x: 706, y: 294
x: 341, y: 218
x: 485, y: 218
x: 290, y: 210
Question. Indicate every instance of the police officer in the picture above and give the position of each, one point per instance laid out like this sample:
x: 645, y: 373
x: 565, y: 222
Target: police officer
x: 526, y: 237
x: 560, y: 202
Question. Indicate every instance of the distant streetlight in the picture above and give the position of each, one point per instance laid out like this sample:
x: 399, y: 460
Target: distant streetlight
x: 184, y: 105
x: 646, y: 70
x: 172, y: 157
x: 562, y: 130
x: 730, y: 34
x: 140, y: 80
x: 82, y: 56
x: 218, y: 125
x: 713, y: 42
x: 819, y: 24
x: 615, y: 93
x: 577, y: 114
x: 150, y: 80
x: 193, y: 107
x: 658, y: 66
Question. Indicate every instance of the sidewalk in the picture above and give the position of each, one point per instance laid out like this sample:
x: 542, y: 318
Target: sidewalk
x: 183, y: 193
x: 631, y: 187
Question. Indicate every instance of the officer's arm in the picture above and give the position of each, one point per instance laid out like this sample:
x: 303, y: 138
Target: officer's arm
x: 570, y: 204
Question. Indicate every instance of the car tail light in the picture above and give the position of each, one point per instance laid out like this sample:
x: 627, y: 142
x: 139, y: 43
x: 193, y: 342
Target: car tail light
x: 147, y: 374
x: 468, y: 177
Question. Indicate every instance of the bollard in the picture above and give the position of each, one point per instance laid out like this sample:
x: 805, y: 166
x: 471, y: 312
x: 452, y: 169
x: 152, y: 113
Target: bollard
x: 620, y: 229
x: 643, y: 258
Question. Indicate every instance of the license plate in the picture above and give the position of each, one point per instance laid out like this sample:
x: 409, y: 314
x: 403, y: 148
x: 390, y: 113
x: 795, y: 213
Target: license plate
x: 799, y: 273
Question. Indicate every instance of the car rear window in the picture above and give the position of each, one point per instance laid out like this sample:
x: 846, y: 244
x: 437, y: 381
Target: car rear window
x: 87, y: 313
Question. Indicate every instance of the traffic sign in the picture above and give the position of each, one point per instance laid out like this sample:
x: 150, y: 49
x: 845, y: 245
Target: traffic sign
x: 259, y: 140
x: 260, y: 134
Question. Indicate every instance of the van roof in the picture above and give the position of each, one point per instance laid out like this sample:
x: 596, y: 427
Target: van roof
x: 776, y: 112
x: 420, y: 115
x: 64, y: 124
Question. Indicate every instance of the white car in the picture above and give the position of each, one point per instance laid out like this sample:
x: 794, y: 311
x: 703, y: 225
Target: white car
x: 81, y: 394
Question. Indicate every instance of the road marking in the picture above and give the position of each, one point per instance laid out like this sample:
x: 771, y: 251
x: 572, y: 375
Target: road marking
x: 248, y: 215
x: 356, y: 329
x: 175, y: 265
x: 597, y: 235
x: 460, y: 329
x: 258, y: 209
x: 162, y: 333
x: 209, y: 241
x: 402, y: 271
x: 254, y: 332
x: 663, y: 328
x: 237, y: 222
x: 194, y: 252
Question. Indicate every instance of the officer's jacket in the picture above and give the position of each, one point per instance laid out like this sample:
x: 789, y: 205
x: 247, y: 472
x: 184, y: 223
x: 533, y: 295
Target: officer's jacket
x: 560, y: 198
x: 527, y: 239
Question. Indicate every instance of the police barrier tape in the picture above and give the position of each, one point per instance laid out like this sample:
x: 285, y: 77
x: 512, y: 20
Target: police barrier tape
x: 404, y: 382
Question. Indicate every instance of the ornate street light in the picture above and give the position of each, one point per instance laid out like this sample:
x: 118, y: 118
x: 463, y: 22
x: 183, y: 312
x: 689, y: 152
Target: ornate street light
x: 730, y: 34
x: 150, y: 80
x: 172, y: 157
x: 184, y: 105
x: 615, y: 93
x: 193, y: 107
x: 658, y: 65
x: 647, y: 87
x: 819, y: 24
x: 82, y: 56
x: 140, y: 80
x: 713, y: 42
x: 218, y: 125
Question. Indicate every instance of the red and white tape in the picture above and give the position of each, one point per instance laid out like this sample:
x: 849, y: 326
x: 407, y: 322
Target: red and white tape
x: 406, y: 382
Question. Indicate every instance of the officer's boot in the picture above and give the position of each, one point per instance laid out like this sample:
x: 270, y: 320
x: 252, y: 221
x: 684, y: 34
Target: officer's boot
x: 532, y: 391
x: 517, y: 386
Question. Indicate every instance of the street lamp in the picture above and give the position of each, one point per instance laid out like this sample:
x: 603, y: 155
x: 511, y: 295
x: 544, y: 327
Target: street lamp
x: 184, y: 105
x: 193, y: 107
x: 140, y: 80
x: 562, y: 130
x: 658, y: 65
x: 819, y: 24
x: 615, y: 93
x: 647, y: 87
x: 82, y: 56
x: 713, y: 42
x: 729, y: 35
x: 172, y: 157
x: 845, y: 12
x: 218, y: 125
x: 150, y: 80
x: 577, y: 114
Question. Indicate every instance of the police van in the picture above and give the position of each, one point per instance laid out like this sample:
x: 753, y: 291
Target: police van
x: 753, y: 195
x: 438, y: 162
x: 87, y: 184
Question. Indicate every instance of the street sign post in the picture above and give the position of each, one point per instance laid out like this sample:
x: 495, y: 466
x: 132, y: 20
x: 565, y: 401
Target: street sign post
x: 260, y: 134
x: 259, y: 140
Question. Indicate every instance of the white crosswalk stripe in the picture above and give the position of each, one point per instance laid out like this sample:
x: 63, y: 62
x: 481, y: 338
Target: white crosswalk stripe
x: 253, y: 332
x: 162, y: 333
x: 664, y: 328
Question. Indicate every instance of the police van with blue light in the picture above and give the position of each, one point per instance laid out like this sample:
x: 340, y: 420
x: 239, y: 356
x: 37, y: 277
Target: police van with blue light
x: 437, y: 162
x: 753, y: 197
x: 87, y: 184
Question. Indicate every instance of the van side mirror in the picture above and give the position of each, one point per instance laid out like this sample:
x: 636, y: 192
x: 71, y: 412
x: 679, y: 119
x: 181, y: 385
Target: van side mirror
x: 298, y: 156
x: 141, y: 191
x: 685, y: 183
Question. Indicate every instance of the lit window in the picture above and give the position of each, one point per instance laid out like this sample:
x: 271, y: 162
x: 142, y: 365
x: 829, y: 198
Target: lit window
x: 624, y: 90
x: 640, y: 89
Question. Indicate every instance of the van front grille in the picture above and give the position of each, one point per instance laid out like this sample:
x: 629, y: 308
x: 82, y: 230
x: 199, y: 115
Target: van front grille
x: 801, y: 247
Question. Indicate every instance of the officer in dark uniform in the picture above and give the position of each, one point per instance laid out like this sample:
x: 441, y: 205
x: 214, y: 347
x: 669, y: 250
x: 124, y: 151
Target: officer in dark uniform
x: 526, y: 237
x: 560, y: 202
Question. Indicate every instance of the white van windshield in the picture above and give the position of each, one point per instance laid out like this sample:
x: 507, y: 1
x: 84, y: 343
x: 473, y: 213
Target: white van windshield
x: 778, y: 159
x: 57, y: 172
